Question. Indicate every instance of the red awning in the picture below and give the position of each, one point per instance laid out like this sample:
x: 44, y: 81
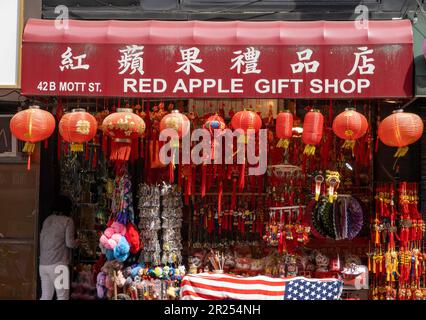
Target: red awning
x: 331, y: 59
x: 220, y: 33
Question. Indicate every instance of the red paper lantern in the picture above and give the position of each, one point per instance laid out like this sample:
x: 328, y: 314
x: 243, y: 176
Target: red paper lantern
x: 32, y: 125
x: 350, y: 125
x: 312, y: 131
x: 123, y: 126
x: 246, y: 120
x: 77, y: 127
x: 284, y: 128
x: 400, y: 129
x: 180, y: 123
x: 176, y: 121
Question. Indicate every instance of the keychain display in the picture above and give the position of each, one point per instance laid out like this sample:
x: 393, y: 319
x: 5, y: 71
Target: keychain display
x: 150, y: 223
x: 171, y: 219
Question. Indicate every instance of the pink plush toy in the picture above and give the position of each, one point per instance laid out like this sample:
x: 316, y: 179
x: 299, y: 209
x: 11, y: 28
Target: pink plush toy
x: 112, y: 235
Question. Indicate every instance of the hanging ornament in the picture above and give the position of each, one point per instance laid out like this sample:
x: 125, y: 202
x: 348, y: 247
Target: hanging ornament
x: 77, y: 127
x: 214, y: 122
x: 246, y: 120
x: 284, y: 128
x: 180, y: 123
x: 350, y: 125
x: 333, y: 180
x: 319, y: 179
x: 400, y: 129
x: 123, y: 126
x: 312, y: 131
x: 32, y: 125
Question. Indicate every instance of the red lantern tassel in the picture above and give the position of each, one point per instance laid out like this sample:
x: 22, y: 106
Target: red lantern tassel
x: 135, y: 150
x: 46, y: 143
x: 29, y: 162
x: 234, y: 196
x: 219, y: 199
x: 203, y: 180
x: 141, y: 149
x: 86, y: 152
x: 59, y: 147
x: 95, y: 158
x: 242, y: 176
x: 171, y: 172
x: 180, y: 176
x: 120, y: 149
x: 105, y: 145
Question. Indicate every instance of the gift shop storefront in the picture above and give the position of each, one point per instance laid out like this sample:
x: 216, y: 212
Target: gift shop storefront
x: 296, y: 198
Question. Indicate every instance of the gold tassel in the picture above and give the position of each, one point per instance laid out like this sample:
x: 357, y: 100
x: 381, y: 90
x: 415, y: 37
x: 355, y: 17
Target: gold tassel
x: 77, y: 147
x: 349, y: 144
x: 309, y: 150
x: 401, y: 152
x: 283, y: 143
x: 29, y: 147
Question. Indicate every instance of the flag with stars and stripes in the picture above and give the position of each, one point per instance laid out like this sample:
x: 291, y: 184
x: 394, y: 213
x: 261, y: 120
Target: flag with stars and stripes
x: 313, y: 289
x: 211, y: 286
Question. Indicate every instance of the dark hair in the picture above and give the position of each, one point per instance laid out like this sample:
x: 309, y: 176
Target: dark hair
x: 62, y: 205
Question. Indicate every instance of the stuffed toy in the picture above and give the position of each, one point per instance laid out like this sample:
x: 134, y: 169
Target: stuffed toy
x: 135, y: 271
x: 109, y: 254
x: 119, y: 279
x: 132, y: 237
x: 101, y: 288
x: 121, y: 250
x: 112, y: 235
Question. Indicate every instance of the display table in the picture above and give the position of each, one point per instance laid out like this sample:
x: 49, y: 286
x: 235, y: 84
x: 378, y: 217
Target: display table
x: 215, y: 286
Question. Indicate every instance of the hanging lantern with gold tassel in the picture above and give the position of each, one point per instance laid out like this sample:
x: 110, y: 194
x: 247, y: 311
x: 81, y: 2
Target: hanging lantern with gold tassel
x: 284, y: 128
x: 350, y: 125
x: 400, y: 129
x: 77, y: 127
x: 312, y: 131
x: 32, y: 125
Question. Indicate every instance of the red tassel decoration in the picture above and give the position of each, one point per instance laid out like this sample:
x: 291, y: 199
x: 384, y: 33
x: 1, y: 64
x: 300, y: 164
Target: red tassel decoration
x: 95, y: 158
x: 120, y: 149
x: 105, y: 145
x: 203, y: 180
x: 234, y: 195
x: 242, y: 176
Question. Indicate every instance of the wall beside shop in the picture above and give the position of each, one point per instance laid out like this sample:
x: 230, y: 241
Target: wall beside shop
x: 18, y: 200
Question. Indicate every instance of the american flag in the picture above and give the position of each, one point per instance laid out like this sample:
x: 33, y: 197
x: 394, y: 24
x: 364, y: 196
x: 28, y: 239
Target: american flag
x: 212, y: 286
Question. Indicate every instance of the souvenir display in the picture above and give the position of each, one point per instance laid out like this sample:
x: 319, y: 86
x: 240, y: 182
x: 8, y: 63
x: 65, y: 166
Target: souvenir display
x: 171, y: 223
x: 310, y: 214
x: 397, y: 259
x: 150, y: 223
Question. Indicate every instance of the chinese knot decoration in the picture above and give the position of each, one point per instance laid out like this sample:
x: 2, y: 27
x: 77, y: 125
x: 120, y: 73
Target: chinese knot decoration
x: 181, y: 125
x: 312, y: 131
x: 284, y: 128
x: 77, y: 127
x: 246, y: 120
x: 123, y: 127
x: 400, y: 129
x: 32, y: 125
x: 350, y: 125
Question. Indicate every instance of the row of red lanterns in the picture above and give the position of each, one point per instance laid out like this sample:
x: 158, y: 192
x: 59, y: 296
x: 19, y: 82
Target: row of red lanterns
x: 400, y: 129
x: 77, y: 127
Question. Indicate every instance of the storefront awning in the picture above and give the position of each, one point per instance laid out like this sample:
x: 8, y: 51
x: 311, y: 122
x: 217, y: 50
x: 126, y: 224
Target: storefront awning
x: 218, y: 59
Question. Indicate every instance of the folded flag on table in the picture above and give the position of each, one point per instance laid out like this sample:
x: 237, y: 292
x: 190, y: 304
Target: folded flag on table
x: 211, y: 286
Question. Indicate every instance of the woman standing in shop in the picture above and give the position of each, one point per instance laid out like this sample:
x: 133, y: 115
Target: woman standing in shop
x: 56, y: 241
